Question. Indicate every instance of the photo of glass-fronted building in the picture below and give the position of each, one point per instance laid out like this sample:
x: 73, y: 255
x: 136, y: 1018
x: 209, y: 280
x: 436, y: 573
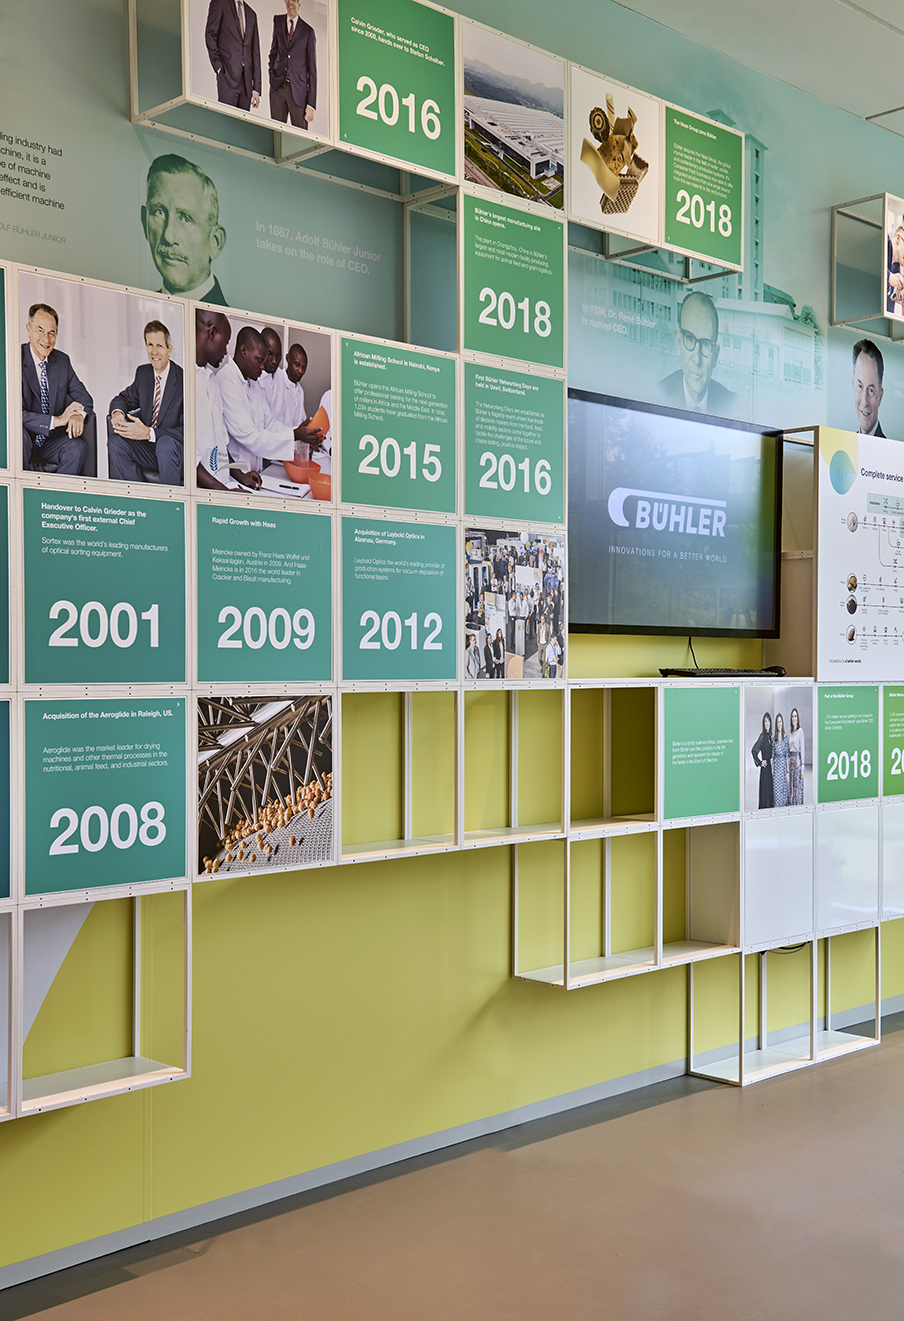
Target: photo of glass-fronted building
x: 528, y: 141
x: 514, y: 117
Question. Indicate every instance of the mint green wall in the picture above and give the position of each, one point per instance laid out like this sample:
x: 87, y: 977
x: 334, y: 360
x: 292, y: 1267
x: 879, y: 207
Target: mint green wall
x: 812, y: 156
x: 341, y: 1011
x: 100, y: 181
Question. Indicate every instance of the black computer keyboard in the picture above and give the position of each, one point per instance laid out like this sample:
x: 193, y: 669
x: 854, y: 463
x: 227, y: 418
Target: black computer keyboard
x: 774, y: 672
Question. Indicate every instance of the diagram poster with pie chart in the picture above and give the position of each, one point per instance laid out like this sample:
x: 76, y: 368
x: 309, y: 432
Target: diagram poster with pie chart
x: 860, y: 596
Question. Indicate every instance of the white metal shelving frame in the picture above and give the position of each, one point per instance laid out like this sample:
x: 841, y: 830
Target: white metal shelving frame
x: 769, y: 1053
x: 708, y: 837
x: 94, y: 1080
x: 715, y: 889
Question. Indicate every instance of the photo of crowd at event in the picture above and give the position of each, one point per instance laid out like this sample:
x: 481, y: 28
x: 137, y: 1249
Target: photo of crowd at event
x: 514, y: 605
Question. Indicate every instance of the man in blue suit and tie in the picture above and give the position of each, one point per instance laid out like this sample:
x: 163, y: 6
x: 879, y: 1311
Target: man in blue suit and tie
x: 234, y: 48
x: 55, y: 404
x: 145, y: 424
x: 293, y: 68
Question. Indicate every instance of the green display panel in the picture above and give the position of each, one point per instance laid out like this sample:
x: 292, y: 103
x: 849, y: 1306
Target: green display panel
x: 398, y: 428
x: 514, y: 283
x: 702, y: 767
x: 514, y: 445
x: 4, y: 583
x: 397, y: 82
x: 893, y: 739
x: 399, y: 618
x: 264, y: 598
x: 848, y: 743
x: 104, y: 589
x: 104, y: 793
x: 704, y: 171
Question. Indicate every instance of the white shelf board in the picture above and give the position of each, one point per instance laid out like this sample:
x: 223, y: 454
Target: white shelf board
x: 587, y: 972
x: 833, y: 1043
x: 477, y: 839
x: 689, y: 822
x: 688, y: 951
x: 597, y: 827
x: 780, y: 942
x: 760, y: 1064
x: 50, y: 1090
x: 868, y: 924
x: 376, y: 850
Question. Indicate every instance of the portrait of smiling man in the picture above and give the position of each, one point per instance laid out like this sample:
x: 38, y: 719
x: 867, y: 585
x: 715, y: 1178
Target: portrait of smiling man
x: 697, y: 337
x: 181, y: 222
x: 55, y: 404
x: 293, y: 68
x: 145, y: 420
x: 869, y: 370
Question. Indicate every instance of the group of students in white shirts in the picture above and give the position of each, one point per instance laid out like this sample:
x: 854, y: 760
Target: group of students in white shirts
x: 250, y: 410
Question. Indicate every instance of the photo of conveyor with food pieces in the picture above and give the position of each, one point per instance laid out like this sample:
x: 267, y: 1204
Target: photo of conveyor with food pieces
x: 265, y: 783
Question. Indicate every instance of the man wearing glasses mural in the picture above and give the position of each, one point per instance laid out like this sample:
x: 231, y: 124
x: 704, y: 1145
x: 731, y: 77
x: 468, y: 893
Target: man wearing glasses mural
x: 693, y: 388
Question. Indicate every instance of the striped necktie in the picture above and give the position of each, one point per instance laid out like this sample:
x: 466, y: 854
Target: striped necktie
x: 45, y: 398
x: 156, y: 409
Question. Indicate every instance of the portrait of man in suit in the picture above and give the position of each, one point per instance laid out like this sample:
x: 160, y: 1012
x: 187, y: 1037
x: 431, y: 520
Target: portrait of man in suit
x: 145, y: 422
x: 697, y: 337
x: 234, y: 47
x: 181, y: 222
x: 56, y: 407
x: 293, y: 68
x: 869, y: 369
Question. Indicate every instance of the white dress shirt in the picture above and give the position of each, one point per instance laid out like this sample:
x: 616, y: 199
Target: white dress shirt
x: 253, y: 435
x: 692, y: 405
x: 37, y: 361
x: 289, y: 404
x: 163, y: 378
x: 272, y: 386
x: 197, y: 295
x: 326, y: 403
x: 324, y: 456
x: 210, y: 430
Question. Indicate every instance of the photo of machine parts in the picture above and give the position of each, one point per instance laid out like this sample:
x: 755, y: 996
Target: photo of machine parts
x: 265, y: 783
x: 615, y: 156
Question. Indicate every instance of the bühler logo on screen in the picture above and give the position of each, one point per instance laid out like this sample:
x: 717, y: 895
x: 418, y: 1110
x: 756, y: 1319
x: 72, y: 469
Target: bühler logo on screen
x: 690, y: 514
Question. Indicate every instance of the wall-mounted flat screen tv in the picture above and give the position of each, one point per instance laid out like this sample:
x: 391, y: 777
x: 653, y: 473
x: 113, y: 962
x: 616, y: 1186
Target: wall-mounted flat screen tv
x: 674, y: 521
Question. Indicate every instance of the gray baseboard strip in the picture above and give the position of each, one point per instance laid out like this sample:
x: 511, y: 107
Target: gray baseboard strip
x: 845, y: 1018
x: 49, y: 1262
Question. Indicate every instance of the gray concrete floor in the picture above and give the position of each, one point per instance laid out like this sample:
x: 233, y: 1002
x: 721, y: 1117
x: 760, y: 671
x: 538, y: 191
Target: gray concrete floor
x: 686, y: 1200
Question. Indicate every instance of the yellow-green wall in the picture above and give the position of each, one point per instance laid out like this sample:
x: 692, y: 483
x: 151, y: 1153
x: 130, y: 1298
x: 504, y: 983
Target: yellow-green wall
x: 342, y: 1010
